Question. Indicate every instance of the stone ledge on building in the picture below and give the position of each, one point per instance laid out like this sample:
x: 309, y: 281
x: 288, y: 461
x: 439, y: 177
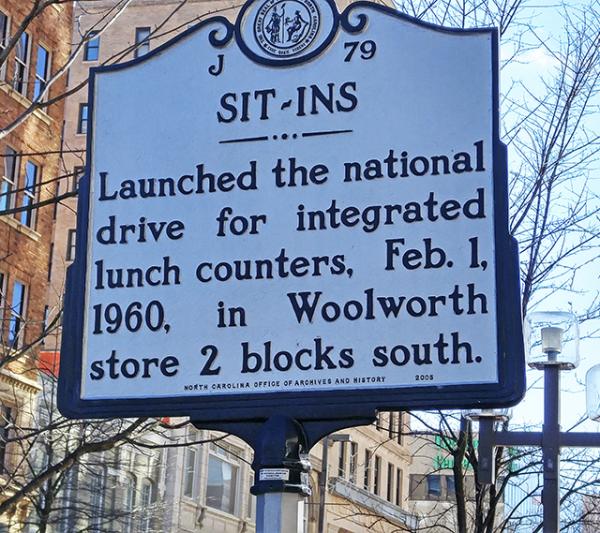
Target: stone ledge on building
x: 370, y: 501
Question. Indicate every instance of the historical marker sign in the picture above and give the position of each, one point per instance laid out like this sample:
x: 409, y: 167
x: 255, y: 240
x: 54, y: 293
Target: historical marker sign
x: 305, y: 213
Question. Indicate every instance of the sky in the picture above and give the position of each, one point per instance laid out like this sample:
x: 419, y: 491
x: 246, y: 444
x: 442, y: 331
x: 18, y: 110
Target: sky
x: 534, y: 65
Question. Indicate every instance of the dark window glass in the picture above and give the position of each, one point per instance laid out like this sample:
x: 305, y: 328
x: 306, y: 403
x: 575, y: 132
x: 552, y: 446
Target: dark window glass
x: 342, y: 460
x: 28, y: 200
x: 390, y: 482
x: 377, y: 475
x: 367, y: 472
x: 392, y: 425
x: 82, y: 121
x: 400, y: 427
x: 50, y: 257
x: 353, y: 462
x: 3, y: 39
x: 77, y: 175
x: 434, y: 486
x: 142, y: 42
x: 91, y: 50
x: 42, y: 71
x: 398, y: 486
x: 71, y: 245
x: 17, y: 310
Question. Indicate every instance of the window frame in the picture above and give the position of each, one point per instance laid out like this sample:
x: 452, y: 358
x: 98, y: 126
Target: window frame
x: 82, y: 121
x: 353, y: 462
x: 8, y: 184
x: 191, y: 467
x: 71, y: 245
x: 22, y: 63
x: 28, y: 199
x: 377, y: 475
x: 341, y: 470
x: 4, y: 36
x: 129, y: 501
x: 225, y: 454
x: 41, y: 80
x: 147, y: 500
x: 390, y: 482
x: 78, y: 172
x: 367, y: 470
x: 6, y: 419
x: 142, y: 46
x: 17, y: 318
x: 92, y: 44
x: 98, y: 482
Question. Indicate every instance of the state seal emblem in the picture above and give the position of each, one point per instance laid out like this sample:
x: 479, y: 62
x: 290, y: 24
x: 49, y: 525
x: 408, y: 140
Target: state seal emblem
x: 286, y: 27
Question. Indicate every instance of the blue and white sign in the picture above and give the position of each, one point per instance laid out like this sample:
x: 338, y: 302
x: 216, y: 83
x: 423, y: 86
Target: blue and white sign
x: 302, y: 213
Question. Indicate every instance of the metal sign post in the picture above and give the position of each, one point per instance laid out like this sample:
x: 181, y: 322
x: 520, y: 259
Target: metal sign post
x: 290, y: 222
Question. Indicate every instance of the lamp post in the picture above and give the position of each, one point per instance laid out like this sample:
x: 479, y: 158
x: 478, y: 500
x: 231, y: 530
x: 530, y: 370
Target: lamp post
x: 327, y: 442
x: 554, y: 346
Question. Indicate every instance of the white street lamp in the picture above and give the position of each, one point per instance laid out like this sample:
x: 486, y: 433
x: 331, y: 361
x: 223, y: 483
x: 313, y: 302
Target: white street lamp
x: 592, y: 393
x: 552, y: 338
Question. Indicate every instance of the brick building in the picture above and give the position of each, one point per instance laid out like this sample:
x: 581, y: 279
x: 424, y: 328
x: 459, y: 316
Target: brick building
x: 29, y: 174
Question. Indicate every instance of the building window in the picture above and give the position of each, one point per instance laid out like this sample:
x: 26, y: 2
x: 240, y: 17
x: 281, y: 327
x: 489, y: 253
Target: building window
x: 450, y: 488
x: 222, y: 479
x: 2, y: 304
x: 28, y: 201
x: 42, y: 71
x: 392, y: 425
x: 377, y: 475
x: 367, y: 471
x: 91, y: 50
x: 21, y: 64
x: 342, y: 460
x: 434, y: 487
x: 353, y: 462
x: 5, y: 421
x: 77, y: 175
x: 71, y: 245
x: 82, y: 120
x: 129, y: 503
x: 50, y: 258
x: 398, y: 487
x: 251, y: 511
x: 8, y: 179
x: 4, y: 32
x: 148, y: 497
x: 390, y: 482
x: 97, y: 490
x: 142, y: 42
x: 190, y: 475
x: 17, y: 314
x: 400, y: 426
x: 68, y: 513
